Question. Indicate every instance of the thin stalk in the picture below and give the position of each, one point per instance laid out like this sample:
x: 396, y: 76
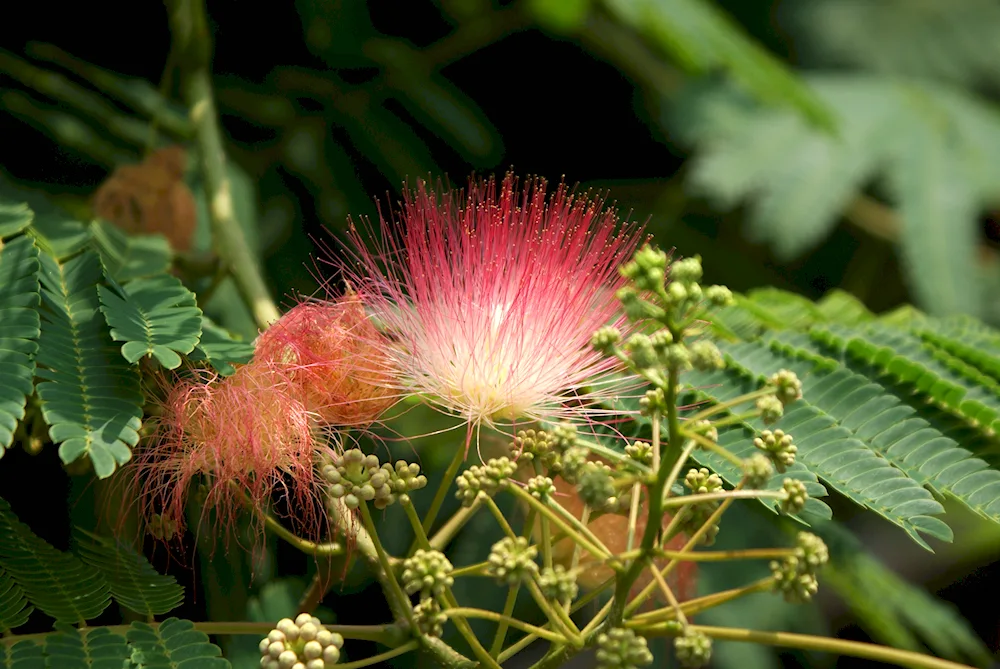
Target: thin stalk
x: 412, y: 644
x: 478, y: 569
x: 465, y: 630
x: 710, y: 445
x: 687, y: 500
x: 189, y: 26
x: 442, y: 491
x: 420, y: 537
x: 500, y: 518
x: 869, y: 651
x: 465, y: 612
x: 443, y: 536
x: 667, y: 592
x: 555, y: 614
x: 392, y: 586
x: 508, y: 608
x: 562, y: 524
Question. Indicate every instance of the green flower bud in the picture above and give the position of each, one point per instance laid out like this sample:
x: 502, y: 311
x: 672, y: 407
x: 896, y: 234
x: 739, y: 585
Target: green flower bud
x: 427, y: 572
x: 488, y: 479
x: 702, y: 481
x: 641, y: 351
x: 795, y: 576
x: 678, y: 355
x: 788, y: 387
x: 705, y: 356
x: 605, y: 339
x: 778, y: 447
x: 655, y: 401
x: 574, y: 461
x: 719, y: 296
x: 622, y: 648
x: 693, y: 649
x: 771, y: 409
x: 558, y: 584
x: 686, y: 270
x: 640, y: 452
x: 512, y: 560
x: 541, y: 487
x: 795, y: 496
x: 429, y: 617
x: 596, y: 487
x: 757, y: 471
x: 705, y: 428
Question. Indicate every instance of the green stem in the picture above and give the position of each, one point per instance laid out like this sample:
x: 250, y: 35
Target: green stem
x: 478, y: 569
x: 189, y: 25
x: 442, y: 492
x: 710, y: 445
x: 694, y: 606
x: 716, y: 496
x: 715, y: 556
x: 498, y: 515
x: 868, y: 651
x: 330, y: 549
x: 412, y: 644
x: 420, y: 537
x: 556, y: 615
x: 466, y: 631
x: 728, y: 404
x: 392, y: 586
x: 547, y: 511
x: 508, y: 609
x: 448, y: 531
x: 464, y: 612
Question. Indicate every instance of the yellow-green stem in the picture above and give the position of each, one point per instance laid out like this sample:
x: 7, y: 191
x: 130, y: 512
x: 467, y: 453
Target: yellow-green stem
x: 442, y: 492
x: 508, y: 608
x: 420, y: 537
x: 557, y: 617
x: 392, y: 586
x: 412, y: 644
x: 562, y: 524
x: 443, y: 536
x: 465, y: 612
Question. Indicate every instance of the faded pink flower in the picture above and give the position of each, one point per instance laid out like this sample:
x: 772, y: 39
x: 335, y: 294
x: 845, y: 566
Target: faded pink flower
x: 493, y: 295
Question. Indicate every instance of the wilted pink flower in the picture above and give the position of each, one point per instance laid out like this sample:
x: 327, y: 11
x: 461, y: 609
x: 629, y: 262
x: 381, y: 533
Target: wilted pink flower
x: 493, y: 296
x: 335, y: 356
x: 243, y: 438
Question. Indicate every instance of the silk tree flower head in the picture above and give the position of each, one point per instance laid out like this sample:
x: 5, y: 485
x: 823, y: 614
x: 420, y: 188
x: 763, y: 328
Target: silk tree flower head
x: 333, y: 354
x: 493, y: 294
x: 243, y: 438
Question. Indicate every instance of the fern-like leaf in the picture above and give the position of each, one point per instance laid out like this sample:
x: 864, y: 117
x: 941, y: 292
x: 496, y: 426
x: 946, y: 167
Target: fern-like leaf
x: 57, y: 233
x: 171, y: 643
x: 90, y: 396
x: 132, y: 580
x: 128, y: 257
x: 98, y: 648
x: 703, y: 38
x: 14, y: 218
x: 19, y: 330
x: 830, y: 451
x: 156, y: 316
x: 14, y: 608
x: 220, y: 349
x: 57, y: 583
x: 22, y: 655
x: 933, y: 144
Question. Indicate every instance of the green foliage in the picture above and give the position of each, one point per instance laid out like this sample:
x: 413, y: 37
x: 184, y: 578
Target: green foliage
x: 77, y: 649
x: 132, y: 580
x: 128, y: 257
x: 219, y: 349
x: 171, y: 643
x: 703, y: 38
x: 933, y: 145
x: 57, y: 583
x: 892, y: 610
x: 90, y: 397
x: 19, y: 330
x: 156, y: 316
x: 22, y: 655
x: 14, y: 607
x: 13, y: 218
x: 75, y: 588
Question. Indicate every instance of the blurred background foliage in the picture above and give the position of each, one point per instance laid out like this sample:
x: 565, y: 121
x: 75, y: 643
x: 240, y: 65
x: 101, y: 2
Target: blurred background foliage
x: 805, y: 145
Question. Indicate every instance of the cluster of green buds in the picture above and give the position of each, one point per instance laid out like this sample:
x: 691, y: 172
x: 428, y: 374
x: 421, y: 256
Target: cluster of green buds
x: 300, y: 644
x: 778, y: 448
x: 356, y: 477
x: 693, y: 649
x: 512, y: 560
x: 622, y: 648
x: 795, y: 576
x: 545, y: 447
x: 429, y: 573
x: 787, y: 388
x: 701, y: 482
x: 486, y: 479
x: 558, y: 584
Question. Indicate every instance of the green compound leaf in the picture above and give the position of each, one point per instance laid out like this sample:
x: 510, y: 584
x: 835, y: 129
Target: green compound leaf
x: 173, y: 644
x: 156, y: 316
x: 19, y: 330
x: 22, y: 655
x: 90, y: 397
x: 98, y: 648
x: 132, y: 580
x: 220, y: 349
x: 703, y: 38
x: 838, y: 455
x: 57, y: 583
x: 58, y: 234
x: 14, y: 608
x: 14, y: 217
x: 128, y: 257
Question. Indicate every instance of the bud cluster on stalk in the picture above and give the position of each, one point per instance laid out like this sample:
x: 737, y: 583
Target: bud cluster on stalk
x: 300, y: 644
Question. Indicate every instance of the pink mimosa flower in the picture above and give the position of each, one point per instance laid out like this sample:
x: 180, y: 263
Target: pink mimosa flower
x: 493, y: 295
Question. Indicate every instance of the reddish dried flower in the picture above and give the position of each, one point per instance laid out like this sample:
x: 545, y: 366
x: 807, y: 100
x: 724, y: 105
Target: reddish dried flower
x: 243, y: 437
x: 493, y: 297
x: 335, y: 356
